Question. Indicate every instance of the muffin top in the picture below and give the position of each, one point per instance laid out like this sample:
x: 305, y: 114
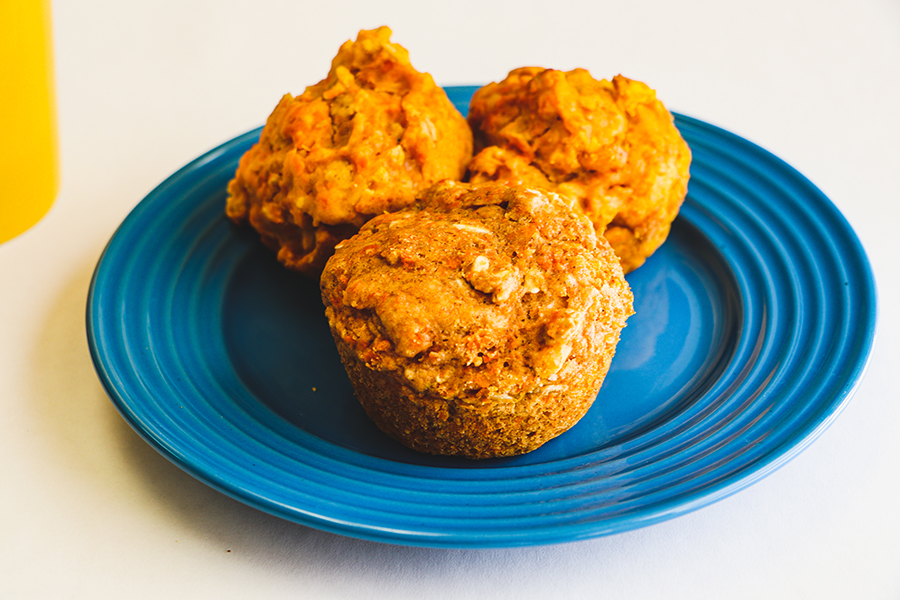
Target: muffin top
x: 610, y: 145
x: 361, y: 142
x: 481, y: 293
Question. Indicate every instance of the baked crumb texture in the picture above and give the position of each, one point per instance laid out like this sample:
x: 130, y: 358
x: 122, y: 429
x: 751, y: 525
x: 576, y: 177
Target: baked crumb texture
x: 610, y: 145
x: 480, y: 323
x: 359, y: 143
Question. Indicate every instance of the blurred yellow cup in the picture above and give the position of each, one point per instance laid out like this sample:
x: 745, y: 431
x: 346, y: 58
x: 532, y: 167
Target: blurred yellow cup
x: 29, y: 175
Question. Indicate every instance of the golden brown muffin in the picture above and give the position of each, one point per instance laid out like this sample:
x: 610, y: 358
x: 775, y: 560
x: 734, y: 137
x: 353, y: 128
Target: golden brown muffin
x: 612, y: 146
x: 480, y: 324
x: 359, y: 143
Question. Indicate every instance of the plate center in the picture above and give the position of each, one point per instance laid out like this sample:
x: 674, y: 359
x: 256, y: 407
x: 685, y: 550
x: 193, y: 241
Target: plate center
x: 677, y: 342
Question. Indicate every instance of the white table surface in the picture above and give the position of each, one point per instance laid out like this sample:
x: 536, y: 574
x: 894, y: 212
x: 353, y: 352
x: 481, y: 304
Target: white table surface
x: 89, y: 510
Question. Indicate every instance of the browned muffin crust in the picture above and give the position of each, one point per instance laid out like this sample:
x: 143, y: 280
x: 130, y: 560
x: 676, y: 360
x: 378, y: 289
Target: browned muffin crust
x: 610, y: 145
x: 359, y: 143
x: 480, y: 324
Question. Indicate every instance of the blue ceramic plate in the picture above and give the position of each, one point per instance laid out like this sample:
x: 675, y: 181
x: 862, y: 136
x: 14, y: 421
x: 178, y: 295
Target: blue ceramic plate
x: 754, y: 325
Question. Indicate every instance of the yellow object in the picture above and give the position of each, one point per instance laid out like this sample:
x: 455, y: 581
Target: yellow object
x: 29, y: 176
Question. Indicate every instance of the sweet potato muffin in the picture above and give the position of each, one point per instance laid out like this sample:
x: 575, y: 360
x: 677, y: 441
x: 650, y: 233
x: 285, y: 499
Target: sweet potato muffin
x: 611, y: 145
x: 481, y: 323
x: 359, y: 143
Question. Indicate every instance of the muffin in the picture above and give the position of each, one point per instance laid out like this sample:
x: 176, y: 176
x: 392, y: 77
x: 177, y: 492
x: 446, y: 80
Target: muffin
x: 361, y: 142
x: 610, y: 145
x: 480, y: 323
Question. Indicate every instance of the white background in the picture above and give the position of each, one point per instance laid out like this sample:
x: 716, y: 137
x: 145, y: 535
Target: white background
x: 88, y: 510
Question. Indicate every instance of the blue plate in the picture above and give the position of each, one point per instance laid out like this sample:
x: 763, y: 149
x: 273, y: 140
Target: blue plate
x: 754, y: 325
